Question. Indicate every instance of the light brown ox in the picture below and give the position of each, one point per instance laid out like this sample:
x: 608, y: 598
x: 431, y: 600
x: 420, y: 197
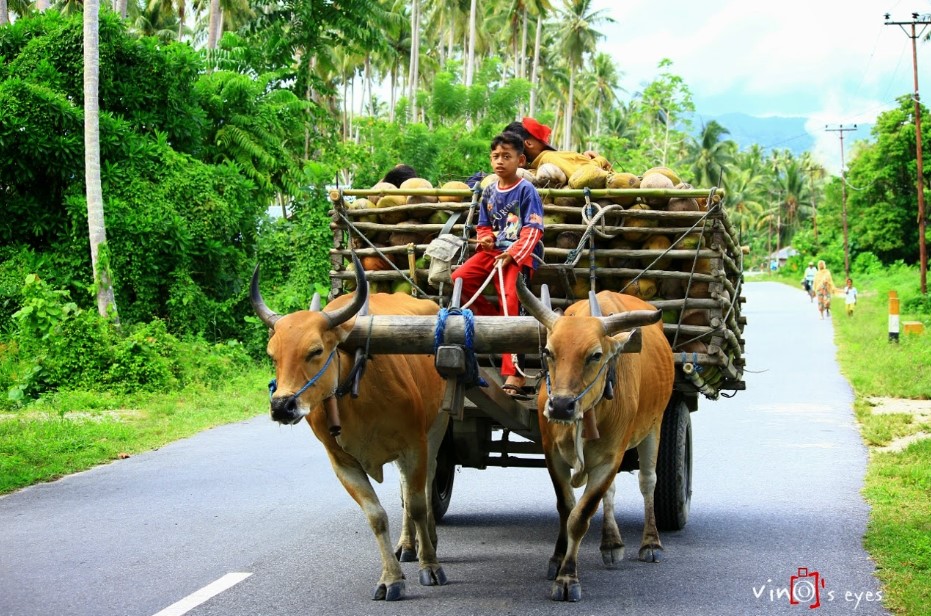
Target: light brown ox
x: 394, y: 419
x: 579, y: 352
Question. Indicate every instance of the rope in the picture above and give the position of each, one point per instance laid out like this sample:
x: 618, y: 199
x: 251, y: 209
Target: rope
x: 472, y: 377
x: 387, y: 260
x: 273, y: 384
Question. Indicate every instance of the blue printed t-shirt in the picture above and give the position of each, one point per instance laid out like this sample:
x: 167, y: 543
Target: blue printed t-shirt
x: 515, y: 217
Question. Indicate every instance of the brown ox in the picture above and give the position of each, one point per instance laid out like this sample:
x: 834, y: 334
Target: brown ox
x: 581, y: 350
x: 395, y: 417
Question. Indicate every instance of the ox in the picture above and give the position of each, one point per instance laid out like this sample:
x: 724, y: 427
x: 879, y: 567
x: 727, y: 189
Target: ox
x: 395, y: 417
x: 581, y: 352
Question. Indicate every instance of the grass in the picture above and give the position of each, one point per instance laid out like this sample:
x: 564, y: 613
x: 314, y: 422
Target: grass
x: 73, y: 431
x: 897, y: 484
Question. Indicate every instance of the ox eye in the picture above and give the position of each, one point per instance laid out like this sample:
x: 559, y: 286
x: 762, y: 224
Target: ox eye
x: 314, y: 353
x: 595, y: 357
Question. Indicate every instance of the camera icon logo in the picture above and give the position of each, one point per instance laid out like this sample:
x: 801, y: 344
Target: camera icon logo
x: 805, y: 588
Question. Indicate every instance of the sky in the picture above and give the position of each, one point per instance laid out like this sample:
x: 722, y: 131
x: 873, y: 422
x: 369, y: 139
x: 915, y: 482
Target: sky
x: 832, y: 62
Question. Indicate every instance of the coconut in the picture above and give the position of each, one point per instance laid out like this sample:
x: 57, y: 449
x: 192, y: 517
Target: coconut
x: 699, y: 290
x: 637, y: 236
x: 671, y: 288
x: 402, y: 286
x: 681, y: 204
x: 549, y: 175
x: 362, y: 204
x: 588, y: 176
x: 644, y: 288
x: 488, y: 180
x: 657, y: 242
x: 696, y: 316
x: 381, y: 186
x: 666, y: 171
x: 405, y: 236
x: 670, y: 316
x: 581, y: 287
x: 526, y: 174
x: 623, y: 180
x: 568, y: 239
x: 374, y: 263
x: 439, y: 217
x: 695, y: 346
x: 568, y: 201
x: 656, y: 181
x: 391, y: 218
x: 455, y: 185
x: 419, y: 183
x: 692, y: 241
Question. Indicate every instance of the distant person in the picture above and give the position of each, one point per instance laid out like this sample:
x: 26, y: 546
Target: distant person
x: 850, y: 297
x: 510, y: 234
x: 809, y: 280
x: 773, y: 265
x: 824, y: 289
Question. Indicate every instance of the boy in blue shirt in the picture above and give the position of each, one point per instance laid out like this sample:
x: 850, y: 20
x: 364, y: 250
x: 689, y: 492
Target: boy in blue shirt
x: 510, y: 233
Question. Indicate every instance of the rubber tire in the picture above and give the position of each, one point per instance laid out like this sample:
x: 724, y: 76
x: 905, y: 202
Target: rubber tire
x: 673, y: 494
x: 442, y: 488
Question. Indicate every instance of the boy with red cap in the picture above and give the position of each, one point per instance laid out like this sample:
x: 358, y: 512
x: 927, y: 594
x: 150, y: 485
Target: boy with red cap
x: 539, y: 151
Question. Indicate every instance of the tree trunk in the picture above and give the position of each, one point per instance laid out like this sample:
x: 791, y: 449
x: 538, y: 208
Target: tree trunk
x: 42, y: 5
x: 394, y: 91
x: 470, y: 62
x: 535, y: 73
x: 570, y: 109
x: 213, y: 32
x: 97, y: 231
x: 4, y: 13
x: 415, y: 57
x: 523, y: 44
x: 121, y: 8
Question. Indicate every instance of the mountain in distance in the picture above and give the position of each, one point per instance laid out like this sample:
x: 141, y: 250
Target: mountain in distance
x: 771, y: 133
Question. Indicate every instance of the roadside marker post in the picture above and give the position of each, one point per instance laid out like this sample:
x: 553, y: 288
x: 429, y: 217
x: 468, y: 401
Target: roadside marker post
x: 893, y: 316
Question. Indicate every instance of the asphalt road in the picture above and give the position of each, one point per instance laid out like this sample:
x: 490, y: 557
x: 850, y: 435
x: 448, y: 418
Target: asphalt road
x: 778, y: 470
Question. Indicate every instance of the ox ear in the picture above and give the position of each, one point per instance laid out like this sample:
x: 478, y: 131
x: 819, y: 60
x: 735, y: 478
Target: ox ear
x: 629, y: 342
x: 627, y: 320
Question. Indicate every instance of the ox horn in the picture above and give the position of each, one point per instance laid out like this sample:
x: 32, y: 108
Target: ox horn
x: 258, y: 304
x: 540, y: 311
x: 628, y: 320
x: 341, y: 315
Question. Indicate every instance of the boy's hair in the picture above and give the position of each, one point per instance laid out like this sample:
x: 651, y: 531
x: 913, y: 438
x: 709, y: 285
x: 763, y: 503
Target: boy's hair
x: 509, y: 138
x: 519, y: 129
x: 399, y: 174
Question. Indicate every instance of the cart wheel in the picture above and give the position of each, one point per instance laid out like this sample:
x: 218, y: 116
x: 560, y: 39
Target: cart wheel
x: 673, y: 494
x: 442, y: 489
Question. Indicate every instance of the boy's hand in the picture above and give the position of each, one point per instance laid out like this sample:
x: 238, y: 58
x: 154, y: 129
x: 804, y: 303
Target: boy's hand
x: 504, y: 258
x: 486, y: 243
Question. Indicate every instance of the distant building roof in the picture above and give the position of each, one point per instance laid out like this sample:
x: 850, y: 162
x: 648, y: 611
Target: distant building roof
x: 784, y: 253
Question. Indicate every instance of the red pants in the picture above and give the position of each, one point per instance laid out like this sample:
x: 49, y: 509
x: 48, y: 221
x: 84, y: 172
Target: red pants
x: 473, y: 273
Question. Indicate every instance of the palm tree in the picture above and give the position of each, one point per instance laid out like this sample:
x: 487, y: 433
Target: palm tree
x: 710, y: 155
x: 816, y: 174
x: 577, y: 38
x: 602, y: 87
x: 4, y: 13
x: 540, y: 9
x: 97, y: 231
x: 470, y: 61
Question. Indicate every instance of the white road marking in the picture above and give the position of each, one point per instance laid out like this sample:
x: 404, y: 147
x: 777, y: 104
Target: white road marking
x: 204, y: 594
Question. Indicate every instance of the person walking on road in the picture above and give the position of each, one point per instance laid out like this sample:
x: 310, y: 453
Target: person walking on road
x: 824, y: 289
x: 850, y: 294
x: 809, y: 280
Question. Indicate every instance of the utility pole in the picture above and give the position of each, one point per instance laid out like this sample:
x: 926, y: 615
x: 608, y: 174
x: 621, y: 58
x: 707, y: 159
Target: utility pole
x: 843, y: 190
x: 912, y: 33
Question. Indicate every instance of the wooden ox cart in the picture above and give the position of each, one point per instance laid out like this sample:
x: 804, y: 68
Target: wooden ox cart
x: 683, y: 260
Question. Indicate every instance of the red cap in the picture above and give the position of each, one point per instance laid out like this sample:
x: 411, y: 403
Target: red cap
x: 538, y: 131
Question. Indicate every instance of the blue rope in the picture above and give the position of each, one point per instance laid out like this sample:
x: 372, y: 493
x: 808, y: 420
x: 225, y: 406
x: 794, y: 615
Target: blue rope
x: 273, y: 384
x: 472, y: 376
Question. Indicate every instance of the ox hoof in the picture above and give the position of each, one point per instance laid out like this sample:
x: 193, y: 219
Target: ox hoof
x: 651, y: 554
x: 566, y: 590
x: 391, y: 592
x: 612, y: 557
x: 406, y: 555
x: 553, y: 570
x: 433, y: 577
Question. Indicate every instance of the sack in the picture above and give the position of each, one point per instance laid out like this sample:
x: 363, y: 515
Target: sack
x: 442, y: 251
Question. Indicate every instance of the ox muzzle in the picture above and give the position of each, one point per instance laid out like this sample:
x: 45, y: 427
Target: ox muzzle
x: 286, y: 410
